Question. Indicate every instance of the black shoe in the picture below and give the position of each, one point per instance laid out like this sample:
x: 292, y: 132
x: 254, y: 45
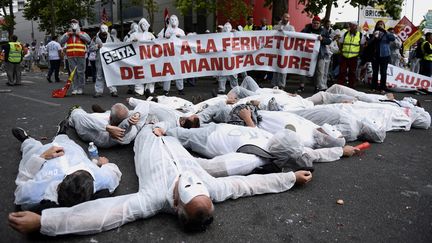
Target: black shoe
x: 9, y: 84
x: 57, y: 80
x: 165, y: 93
x: 147, y: 93
x: 49, y: 80
x: 20, y: 134
x: 300, y: 89
x: 62, y: 127
x: 97, y: 95
x: 114, y: 94
x: 130, y: 91
x: 221, y: 93
x: 213, y: 93
x: 136, y: 94
x: 181, y: 92
x: 71, y: 109
x: 97, y: 108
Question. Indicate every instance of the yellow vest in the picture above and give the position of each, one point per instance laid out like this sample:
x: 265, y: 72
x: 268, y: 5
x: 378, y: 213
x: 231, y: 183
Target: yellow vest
x: 269, y: 27
x: 427, y: 57
x: 15, y: 52
x: 248, y: 27
x: 351, y: 45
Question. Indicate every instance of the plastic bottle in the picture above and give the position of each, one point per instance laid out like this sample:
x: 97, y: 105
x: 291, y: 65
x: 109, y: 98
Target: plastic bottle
x: 93, y: 153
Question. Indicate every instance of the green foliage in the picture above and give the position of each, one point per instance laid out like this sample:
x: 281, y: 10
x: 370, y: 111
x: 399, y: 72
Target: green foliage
x: 391, y: 7
x: 231, y: 9
x: 151, y: 6
x: 54, y: 15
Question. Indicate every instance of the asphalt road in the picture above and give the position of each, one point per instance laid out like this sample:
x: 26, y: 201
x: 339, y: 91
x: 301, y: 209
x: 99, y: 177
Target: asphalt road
x: 387, y: 190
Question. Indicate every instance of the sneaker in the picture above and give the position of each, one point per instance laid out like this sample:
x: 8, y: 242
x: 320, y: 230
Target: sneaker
x: 97, y: 95
x: 114, y: 94
x: 74, y: 92
x: 20, y: 134
x: 80, y: 92
x: 165, y: 93
x: 130, y: 91
x: 147, y: 93
x: 62, y: 127
x: 300, y: 89
x: 213, y: 93
x: 49, y: 80
x: 97, y: 108
x: 181, y: 92
x: 136, y: 94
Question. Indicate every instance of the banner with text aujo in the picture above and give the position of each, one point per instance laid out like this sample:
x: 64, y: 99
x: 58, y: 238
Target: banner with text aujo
x: 400, y: 80
x: 209, y: 55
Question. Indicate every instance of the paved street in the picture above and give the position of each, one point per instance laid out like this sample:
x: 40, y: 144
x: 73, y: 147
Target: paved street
x: 387, y: 190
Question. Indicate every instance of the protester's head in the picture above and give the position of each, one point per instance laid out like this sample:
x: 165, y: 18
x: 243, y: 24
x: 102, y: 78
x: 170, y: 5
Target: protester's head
x: 285, y: 144
x: 189, y: 121
x: 143, y: 25
x: 227, y: 27
x: 133, y: 27
x: 285, y: 18
x: 263, y: 21
x: 316, y: 22
x: 74, y: 24
x: 327, y: 24
x: 220, y: 28
x: 14, y: 38
x: 391, y: 30
x: 250, y: 20
x: 174, y: 22
x: 75, y: 188
x: 192, y: 203
x: 428, y: 37
x: 119, y: 112
x: 114, y: 33
x: 380, y: 25
x: 103, y: 31
x: 352, y: 27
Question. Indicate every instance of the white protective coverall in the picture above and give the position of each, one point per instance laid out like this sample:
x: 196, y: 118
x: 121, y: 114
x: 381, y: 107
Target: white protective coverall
x: 142, y: 35
x: 158, y: 162
x: 38, y: 178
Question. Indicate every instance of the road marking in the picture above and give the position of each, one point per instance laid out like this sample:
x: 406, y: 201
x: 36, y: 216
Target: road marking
x: 36, y: 100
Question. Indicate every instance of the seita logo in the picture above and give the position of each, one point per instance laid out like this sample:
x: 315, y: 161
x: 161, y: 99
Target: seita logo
x: 118, y: 54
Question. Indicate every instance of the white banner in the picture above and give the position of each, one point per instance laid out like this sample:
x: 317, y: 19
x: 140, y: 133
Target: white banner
x: 209, y: 55
x: 369, y: 16
x: 399, y: 79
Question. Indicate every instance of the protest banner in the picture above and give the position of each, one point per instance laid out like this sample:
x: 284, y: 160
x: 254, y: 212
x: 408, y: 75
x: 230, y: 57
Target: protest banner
x: 369, y: 16
x: 399, y: 79
x: 209, y: 55
x: 412, y: 39
x: 404, y: 29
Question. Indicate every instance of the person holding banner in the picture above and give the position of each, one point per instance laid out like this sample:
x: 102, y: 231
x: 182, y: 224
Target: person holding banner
x: 75, y: 50
x: 279, y: 79
x: 172, y: 31
x: 231, y: 78
x: 99, y: 40
x: 426, y: 62
x: 380, y: 43
x: 395, y: 49
x: 143, y: 34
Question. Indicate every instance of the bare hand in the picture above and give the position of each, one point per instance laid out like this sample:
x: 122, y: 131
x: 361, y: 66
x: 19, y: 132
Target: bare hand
x: 320, y: 38
x: 255, y: 102
x: 53, y: 152
x: 349, y: 151
x: 158, y: 132
x: 25, y: 222
x: 245, y: 113
x: 231, y: 101
x: 102, y: 160
x: 115, y: 132
x: 303, y: 177
x: 390, y: 96
x: 134, y: 119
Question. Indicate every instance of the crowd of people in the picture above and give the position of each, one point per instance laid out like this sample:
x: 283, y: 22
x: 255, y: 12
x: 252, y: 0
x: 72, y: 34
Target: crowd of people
x: 346, y: 56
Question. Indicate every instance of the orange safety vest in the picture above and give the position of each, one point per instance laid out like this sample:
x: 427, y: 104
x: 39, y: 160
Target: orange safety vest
x: 75, y: 47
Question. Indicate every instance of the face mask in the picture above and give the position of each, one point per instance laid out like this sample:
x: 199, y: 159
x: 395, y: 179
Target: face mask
x: 174, y: 21
x: 190, y: 186
x: 104, y: 29
x: 144, y: 25
x: 330, y: 130
x: 74, y: 26
x: 135, y: 28
x: 227, y: 27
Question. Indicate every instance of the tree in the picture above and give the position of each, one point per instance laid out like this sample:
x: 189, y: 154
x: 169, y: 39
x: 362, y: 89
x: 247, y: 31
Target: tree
x: 54, y: 16
x: 9, y: 18
x: 314, y: 7
x: 278, y: 7
x: 150, y: 5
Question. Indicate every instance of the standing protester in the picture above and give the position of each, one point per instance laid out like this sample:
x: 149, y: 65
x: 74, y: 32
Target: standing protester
x: 42, y: 54
x: 172, y: 31
x: 322, y: 66
x: 13, y: 56
x: 143, y: 34
x: 395, y: 49
x: 416, y: 55
x: 114, y: 35
x: 250, y: 24
x: 351, y: 47
x: 28, y: 53
x: 231, y: 78
x: 75, y: 50
x: 279, y: 79
x: 100, y: 39
x: 54, y: 56
x: 380, y: 43
x: 133, y: 29
x: 264, y: 25
x: 426, y: 62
